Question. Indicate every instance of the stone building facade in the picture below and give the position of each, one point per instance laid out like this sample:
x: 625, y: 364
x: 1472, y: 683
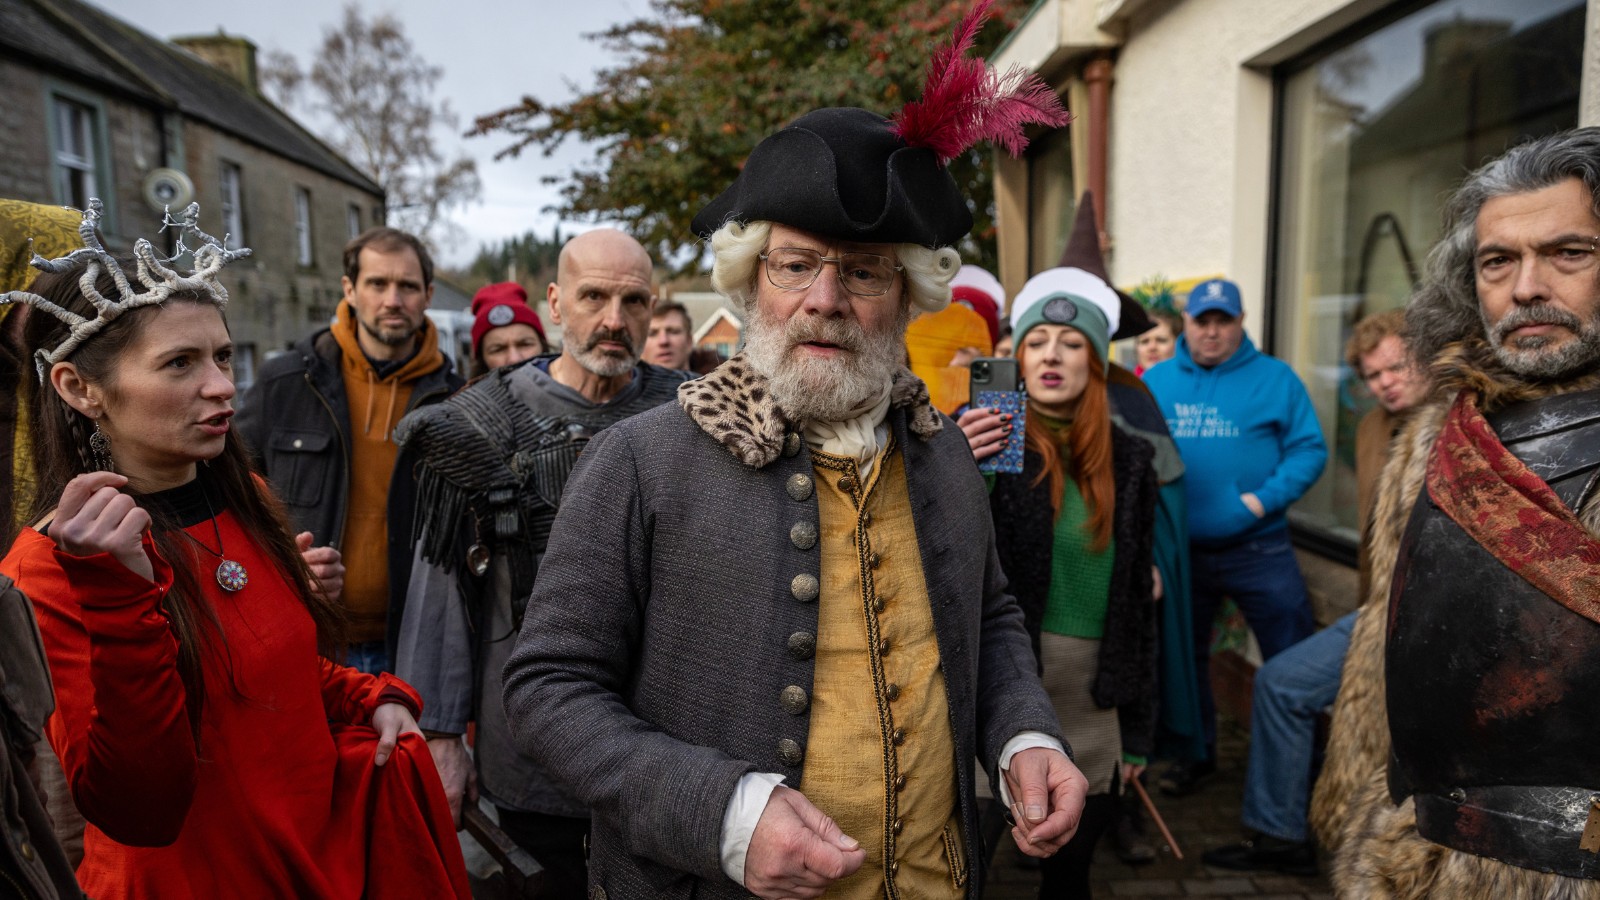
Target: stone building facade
x: 95, y: 107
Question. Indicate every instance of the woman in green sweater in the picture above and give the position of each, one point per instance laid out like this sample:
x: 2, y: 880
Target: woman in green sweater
x: 1074, y: 533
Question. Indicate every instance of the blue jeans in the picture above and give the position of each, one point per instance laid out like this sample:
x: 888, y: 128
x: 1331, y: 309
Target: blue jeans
x: 1264, y: 580
x: 371, y: 657
x: 1290, y: 691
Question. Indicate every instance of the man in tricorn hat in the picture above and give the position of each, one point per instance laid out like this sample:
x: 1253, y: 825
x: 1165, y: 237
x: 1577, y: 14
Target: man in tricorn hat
x: 794, y: 638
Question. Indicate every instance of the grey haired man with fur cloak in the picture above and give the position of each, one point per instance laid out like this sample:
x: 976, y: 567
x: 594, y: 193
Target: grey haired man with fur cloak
x: 1462, y: 755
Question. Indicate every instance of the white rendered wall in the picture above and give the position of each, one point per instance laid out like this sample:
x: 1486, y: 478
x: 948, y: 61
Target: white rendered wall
x: 1191, y: 137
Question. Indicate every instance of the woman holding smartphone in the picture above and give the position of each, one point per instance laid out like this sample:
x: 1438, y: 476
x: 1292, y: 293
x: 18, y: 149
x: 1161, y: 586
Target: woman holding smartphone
x: 1073, y: 531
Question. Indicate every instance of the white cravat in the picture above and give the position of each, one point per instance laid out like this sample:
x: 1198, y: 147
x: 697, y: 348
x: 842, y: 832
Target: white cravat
x: 858, y: 438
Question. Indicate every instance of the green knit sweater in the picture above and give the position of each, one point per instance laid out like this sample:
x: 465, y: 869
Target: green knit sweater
x: 1080, y: 576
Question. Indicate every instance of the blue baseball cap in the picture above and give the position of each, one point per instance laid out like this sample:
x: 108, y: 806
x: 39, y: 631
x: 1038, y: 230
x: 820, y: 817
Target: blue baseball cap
x: 1216, y: 294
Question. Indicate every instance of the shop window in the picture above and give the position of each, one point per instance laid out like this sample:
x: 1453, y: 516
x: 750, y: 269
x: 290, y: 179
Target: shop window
x: 1375, y: 131
x: 352, y: 220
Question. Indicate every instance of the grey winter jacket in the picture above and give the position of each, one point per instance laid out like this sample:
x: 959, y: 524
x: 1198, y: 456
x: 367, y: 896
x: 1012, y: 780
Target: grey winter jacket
x: 657, y: 692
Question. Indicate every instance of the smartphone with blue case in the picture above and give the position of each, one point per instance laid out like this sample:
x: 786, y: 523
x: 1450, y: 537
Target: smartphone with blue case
x: 996, y: 384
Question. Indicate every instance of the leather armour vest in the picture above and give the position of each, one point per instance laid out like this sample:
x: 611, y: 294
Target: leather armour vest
x: 490, y: 473
x: 1491, y: 683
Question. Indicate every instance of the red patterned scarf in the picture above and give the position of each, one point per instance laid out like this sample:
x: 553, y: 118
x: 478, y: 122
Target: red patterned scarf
x: 1511, y: 512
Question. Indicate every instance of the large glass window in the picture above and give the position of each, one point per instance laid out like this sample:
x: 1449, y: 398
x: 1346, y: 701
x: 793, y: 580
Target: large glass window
x: 1375, y: 132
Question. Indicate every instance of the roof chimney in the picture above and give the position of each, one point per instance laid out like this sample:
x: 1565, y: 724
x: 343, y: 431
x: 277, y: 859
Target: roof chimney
x: 234, y: 55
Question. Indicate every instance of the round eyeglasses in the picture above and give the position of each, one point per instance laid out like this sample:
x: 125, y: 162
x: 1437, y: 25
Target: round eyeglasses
x: 862, y: 274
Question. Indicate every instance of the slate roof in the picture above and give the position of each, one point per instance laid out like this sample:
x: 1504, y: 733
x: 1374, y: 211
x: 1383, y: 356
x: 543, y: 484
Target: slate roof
x: 80, y: 41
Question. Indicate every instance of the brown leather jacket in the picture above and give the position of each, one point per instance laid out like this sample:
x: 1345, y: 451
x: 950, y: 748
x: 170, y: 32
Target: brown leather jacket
x: 32, y: 863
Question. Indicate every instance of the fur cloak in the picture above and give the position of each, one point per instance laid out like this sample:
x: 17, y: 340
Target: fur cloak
x: 1377, y: 851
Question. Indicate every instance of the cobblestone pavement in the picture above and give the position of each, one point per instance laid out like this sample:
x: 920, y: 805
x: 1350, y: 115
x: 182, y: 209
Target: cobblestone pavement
x: 1205, y: 819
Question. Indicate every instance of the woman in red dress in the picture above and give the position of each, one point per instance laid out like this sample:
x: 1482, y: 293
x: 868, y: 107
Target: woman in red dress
x: 213, y: 748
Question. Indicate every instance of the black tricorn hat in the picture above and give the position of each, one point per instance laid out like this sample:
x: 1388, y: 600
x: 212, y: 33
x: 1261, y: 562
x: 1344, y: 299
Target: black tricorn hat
x: 843, y: 173
x: 1083, y: 252
x: 853, y: 175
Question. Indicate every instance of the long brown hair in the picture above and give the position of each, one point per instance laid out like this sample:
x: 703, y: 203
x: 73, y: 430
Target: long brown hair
x: 60, y: 441
x: 1088, y: 460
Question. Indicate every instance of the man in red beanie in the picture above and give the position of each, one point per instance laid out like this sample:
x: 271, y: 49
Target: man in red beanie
x: 505, y: 329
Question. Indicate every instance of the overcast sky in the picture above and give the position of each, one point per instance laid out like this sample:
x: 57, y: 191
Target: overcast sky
x: 493, y: 52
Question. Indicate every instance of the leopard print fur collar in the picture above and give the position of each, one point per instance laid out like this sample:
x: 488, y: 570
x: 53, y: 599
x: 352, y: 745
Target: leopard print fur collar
x: 732, y: 404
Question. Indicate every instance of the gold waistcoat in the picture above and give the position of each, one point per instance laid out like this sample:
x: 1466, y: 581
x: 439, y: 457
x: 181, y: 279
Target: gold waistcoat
x: 880, y: 758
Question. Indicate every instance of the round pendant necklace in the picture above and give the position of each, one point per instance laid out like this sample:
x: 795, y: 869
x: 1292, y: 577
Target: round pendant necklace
x: 231, y: 575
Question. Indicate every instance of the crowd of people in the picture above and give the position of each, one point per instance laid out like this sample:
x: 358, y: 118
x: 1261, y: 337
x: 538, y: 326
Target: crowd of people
x: 694, y: 626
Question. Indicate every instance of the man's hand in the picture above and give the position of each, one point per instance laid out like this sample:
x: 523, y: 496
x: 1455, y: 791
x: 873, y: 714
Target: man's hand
x: 986, y: 430
x: 391, y: 720
x: 1253, y: 503
x: 326, y: 565
x: 95, y: 517
x: 797, y: 851
x: 456, y: 771
x: 1047, y: 794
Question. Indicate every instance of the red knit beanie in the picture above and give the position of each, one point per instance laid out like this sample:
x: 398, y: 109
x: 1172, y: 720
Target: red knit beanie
x: 502, y: 304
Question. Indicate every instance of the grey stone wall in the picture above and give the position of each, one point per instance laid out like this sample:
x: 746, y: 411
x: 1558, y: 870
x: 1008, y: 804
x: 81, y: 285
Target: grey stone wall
x: 276, y: 301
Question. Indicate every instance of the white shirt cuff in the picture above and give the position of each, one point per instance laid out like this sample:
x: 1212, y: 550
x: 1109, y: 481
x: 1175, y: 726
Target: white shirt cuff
x: 749, y: 800
x: 1026, y: 740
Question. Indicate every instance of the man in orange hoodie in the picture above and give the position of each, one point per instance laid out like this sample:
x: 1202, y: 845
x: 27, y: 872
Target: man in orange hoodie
x: 320, y: 420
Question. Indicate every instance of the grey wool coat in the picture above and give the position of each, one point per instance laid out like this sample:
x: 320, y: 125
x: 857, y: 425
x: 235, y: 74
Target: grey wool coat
x: 672, y: 609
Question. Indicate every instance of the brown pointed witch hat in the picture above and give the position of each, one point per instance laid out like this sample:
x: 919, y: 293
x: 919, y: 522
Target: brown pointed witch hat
x: 1083, y: 252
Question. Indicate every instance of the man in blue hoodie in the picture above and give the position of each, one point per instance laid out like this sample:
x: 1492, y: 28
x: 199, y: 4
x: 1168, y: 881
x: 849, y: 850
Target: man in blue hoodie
x: 1251, y: 446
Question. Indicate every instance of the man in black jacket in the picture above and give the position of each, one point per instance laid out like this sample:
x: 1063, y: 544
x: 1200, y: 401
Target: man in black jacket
x: 320, y: 420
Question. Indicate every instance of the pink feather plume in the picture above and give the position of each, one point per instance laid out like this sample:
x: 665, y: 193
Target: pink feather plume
x: 964, y: 102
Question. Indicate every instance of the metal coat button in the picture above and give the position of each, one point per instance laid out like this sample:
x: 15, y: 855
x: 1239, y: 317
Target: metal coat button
x: 791, y: 444
x: 883, y: 647
x: 847, y: 484
x: 803, y: 535
x: 878, y: 603
x: 893, y: 692
x: 27, y: 851
x: 899, y: 736
x: 789, y: 752
x: 298, y: 443
x: 866, y: 518
x: 799, y: 486
x: 793, y: 699
x: 873, y: 559
x: 899, y: 825
x: 805, y: 588
x: 900, y: 782
x: 802, y: 644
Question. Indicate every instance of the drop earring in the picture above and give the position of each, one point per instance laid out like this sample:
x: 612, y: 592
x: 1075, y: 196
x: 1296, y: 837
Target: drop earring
x: 100, y: 446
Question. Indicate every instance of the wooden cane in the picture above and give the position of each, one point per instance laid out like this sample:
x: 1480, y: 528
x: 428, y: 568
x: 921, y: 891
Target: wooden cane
x: 1166, y: 833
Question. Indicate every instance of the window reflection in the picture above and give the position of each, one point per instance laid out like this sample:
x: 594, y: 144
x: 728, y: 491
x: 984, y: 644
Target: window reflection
x: 1374, y: 135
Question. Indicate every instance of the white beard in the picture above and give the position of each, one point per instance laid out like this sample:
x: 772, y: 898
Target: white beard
x: 809, y: 389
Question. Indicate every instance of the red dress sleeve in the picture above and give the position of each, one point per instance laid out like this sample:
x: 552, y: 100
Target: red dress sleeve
x: 350, y: 696
x: 121, y: 725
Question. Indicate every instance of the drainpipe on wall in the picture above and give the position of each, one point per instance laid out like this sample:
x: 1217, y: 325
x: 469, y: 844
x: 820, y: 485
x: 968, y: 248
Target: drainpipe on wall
x: 1097, y: 77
